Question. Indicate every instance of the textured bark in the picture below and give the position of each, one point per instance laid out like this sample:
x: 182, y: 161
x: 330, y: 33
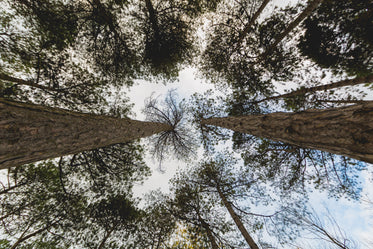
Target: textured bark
x: 30, y: 133
x: 345, y: 131
x: 306, y: 12
x: 342, y: 83
x: 247, y: 28
x: 250, y: 241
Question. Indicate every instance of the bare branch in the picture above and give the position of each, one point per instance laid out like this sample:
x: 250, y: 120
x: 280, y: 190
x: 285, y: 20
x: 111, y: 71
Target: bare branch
x: 178, y: 142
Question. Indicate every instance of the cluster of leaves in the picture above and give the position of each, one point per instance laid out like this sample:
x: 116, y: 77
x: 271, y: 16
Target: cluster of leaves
x: 337, y: 36
x: 88, y: 194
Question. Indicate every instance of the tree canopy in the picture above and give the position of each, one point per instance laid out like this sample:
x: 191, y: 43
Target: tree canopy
x: 289, y: 117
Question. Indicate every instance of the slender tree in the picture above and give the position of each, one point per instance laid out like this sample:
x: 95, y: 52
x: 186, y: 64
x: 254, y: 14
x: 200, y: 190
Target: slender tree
x: 305, y: 13
x: 344, y: 130
x: 306, y: 90
x: 55, y: 197
x: 191, y: 207
x: 249, y: 25
x: 217, y: 176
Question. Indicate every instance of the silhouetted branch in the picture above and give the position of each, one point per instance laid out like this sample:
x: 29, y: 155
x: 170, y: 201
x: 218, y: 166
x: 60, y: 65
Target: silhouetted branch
x: 179, y: 141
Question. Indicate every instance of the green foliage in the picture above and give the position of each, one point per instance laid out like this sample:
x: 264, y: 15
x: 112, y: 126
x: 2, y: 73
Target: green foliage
x: 232, y: 58
x: 196, y: 209
x: 338, y: 36
x: 292, y: 168
x: 4, y: 244
x: 83, y: 195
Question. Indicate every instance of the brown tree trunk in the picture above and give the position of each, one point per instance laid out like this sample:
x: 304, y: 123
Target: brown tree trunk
x: 26, y: 83
x: 152, y: 17
x: 247, y: 28
x: 105, y: 238
x: 30, y: 133
x: 23, y: 238
x: 342, y: 83
x: 340, y: 101
x: 250, y: 241
x: 206, y: 226
x: 345, y: 131
x: 306, y: 12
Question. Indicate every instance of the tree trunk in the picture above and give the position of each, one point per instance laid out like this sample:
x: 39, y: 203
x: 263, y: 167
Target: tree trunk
x: 30, y: 133
x: 23, y: 238
x: 351, y: 82
x: 340, y: 101
x: 250, y: 241
x: 308, y: 10
x: 247, y: 28
x: 209, y: 233
x: 105, y: 238
x: 345, y: 131
x: 152, y: 17
x: 26, y: 83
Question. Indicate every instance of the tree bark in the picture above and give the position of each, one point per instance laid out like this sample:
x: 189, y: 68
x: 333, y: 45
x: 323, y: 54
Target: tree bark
x: 306, y: 12
x: 345, y: 131
x: 250, y: 241
x: 105, y: 238
x: 247, y: 28
x: 208, y: 232
x: 342, y: 83
x: 30, y: 133
x: 340, y: 101
x: 152, y: 17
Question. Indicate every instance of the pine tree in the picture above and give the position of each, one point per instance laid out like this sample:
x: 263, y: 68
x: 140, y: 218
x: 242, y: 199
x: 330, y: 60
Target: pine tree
x: 344, y: 130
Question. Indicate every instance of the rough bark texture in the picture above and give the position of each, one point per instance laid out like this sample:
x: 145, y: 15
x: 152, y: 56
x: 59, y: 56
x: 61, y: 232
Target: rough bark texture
x: 29, y: 133
x: 345, y: 131
x: 250, y: 241
x: 247, y: 28
x: 342, y: 83
x: 306, y: 12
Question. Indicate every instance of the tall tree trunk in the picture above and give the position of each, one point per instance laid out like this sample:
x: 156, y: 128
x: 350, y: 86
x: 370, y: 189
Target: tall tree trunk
x: 206, y: 226
x: 340, y: 101
x: 345, y: 131
x: 342, y: 83
x: 152, y: 17
x: 105, y: 238
x: 250, y: 241
x: 12, y: 187
x: 30, y: 83
x: 306, y: 12
x: 23, y: 238
x: 29, y: 133
x: 247, y: 28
